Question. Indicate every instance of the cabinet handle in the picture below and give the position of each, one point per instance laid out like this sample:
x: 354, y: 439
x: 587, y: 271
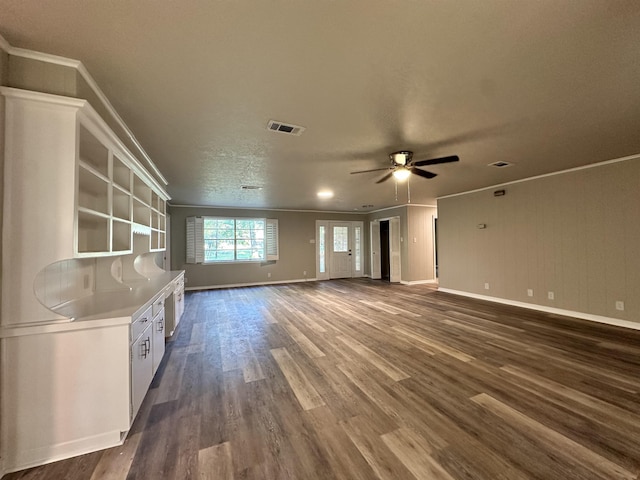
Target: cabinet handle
x: 146, y: 347
x: 160, y: 326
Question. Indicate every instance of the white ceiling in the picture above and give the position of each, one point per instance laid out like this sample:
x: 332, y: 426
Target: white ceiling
x: 545, y: 84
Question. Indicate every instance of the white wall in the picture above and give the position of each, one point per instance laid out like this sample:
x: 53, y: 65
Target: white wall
x: 576, y: 234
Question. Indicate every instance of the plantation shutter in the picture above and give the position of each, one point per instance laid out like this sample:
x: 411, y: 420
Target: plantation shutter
x: 195, y: 240
x: 271, y: 237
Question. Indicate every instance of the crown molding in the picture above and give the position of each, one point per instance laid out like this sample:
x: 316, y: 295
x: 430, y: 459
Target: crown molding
x: 4, y: 45
x: 266, y: 209
x: 79, y: 66
x: 552, y: 174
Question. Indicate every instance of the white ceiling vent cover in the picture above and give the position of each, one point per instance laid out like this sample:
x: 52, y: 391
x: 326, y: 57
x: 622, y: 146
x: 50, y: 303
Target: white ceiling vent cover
x: 287, y: 128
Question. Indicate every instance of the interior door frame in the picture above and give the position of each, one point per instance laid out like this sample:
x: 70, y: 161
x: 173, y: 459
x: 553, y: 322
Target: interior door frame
x: 374, y: 258
x: 395, y: 274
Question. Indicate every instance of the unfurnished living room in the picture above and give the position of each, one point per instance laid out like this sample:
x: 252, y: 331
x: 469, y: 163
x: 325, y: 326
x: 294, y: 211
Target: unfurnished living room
x: 294, y: 240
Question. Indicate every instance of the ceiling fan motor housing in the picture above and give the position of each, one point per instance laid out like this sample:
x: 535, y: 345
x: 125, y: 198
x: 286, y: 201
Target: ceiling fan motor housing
x: 402, y: 157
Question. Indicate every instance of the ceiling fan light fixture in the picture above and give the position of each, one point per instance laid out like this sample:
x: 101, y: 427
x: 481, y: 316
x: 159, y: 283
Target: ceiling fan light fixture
x: 401, y: 173
x: 401, y: 158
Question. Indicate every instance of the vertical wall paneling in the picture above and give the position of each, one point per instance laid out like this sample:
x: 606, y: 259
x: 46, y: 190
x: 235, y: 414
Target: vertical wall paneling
x: 575, y: 234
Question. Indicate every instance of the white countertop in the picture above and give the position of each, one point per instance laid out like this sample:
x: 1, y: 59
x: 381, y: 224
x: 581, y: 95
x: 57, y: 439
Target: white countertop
x: 118, y: 303
x: 101, y: 309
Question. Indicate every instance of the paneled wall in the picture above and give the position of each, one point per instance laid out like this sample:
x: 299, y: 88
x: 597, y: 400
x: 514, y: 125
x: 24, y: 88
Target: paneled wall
x: 575, y: 234
x: 297, y: 253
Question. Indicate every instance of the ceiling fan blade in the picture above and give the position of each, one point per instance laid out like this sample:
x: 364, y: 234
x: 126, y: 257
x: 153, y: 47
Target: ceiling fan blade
x: 436, y: 161
x: 374, y: 170
x: 385, y: 178
x: 423, y: 173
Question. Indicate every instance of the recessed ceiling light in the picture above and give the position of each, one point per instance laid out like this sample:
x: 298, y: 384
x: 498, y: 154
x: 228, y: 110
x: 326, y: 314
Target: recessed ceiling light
x: 325, y: 194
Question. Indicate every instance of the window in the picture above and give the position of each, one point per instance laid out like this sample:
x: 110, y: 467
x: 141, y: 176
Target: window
x: 340, y: 239
x: 321, y: 249
x: 357, y: 246
x: 221, y: 239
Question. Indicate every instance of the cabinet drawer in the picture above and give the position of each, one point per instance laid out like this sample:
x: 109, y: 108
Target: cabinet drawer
x: 158, y: 305
x: 141, y: 322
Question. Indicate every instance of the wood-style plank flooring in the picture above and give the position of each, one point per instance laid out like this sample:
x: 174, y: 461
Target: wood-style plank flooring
x: 357, y: 379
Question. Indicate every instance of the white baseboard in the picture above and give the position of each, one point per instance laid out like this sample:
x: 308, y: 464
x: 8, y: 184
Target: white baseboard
x: 542, y: 308
x: 252, y: 284
x: 53, y: 453
x: 418, y: 282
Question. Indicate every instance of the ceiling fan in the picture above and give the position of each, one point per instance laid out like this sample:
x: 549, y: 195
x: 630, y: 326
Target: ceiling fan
x: 402, y: 166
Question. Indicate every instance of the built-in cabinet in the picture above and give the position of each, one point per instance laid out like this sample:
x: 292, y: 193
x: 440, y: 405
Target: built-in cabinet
x: 175, y: 306
x: 84, y: 312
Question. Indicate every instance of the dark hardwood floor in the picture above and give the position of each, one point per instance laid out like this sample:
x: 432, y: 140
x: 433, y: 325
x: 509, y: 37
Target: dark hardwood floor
x: 357, y: 379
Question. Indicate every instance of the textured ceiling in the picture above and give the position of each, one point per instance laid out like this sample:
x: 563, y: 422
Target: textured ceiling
x: 547, y: 85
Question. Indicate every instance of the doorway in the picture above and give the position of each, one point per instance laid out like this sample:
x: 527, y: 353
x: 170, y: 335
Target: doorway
x: 338, y: 249
x: 385, y: 249
x: 385, y: 265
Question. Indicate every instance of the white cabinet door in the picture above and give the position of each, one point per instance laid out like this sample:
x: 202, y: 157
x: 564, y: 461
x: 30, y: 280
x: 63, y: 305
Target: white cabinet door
x: 158, y: 339
x: 141, y: 368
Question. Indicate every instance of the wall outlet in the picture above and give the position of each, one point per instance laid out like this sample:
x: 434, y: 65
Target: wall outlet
x: 529, y: 292
x: 486, y: 286
x: 268, y: 274
x: 304, y: 273
x: 620, y: 305
x: 551, y: 296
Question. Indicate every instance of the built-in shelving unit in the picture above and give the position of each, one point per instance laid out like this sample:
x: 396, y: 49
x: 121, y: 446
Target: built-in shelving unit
x: 114, y: 202
x: 80, y: 209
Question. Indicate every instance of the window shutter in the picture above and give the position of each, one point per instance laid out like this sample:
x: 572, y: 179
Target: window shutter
x: 272, y: 247
x: 195, y: 240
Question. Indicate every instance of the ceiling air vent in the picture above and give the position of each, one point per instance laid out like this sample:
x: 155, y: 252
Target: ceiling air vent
x: 500, y: 164
x: 251, y: 187
x: 285, y: 128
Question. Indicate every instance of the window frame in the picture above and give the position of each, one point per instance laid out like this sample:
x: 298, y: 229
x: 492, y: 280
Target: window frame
x: 195, y: 236
x: 236, y: 239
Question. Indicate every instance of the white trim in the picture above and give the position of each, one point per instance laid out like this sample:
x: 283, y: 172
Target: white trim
x: 340, y: 212
x: 418, y: 282
x: 6, y: 46
x: 552, y: 174
x: 251, y: 284
x: 43, y: 57
x: 420, y: 205
x: 78, y: 65
x: 403, y: 205
x: 558, y: 311
x: 267, y: 209
x: 61, y: 451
